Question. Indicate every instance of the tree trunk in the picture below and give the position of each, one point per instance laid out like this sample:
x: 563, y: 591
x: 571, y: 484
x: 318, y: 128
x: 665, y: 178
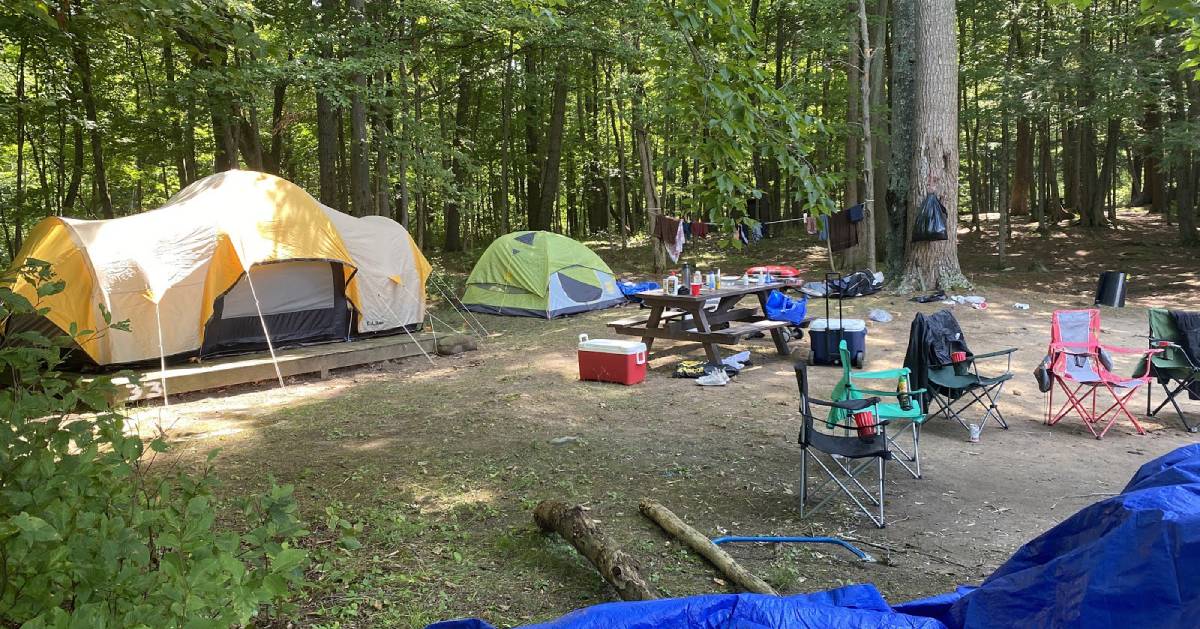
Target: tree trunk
x: 879, y: 115
x: 854, y: 121
x: 619, y: 146
x: 935, y: 155
x: 533, y: 160
x: 903, y: 113
x: 328, y: 122
x: 616, y: 566
x: 360, y: 170
x: 863, y: 255
x: 554, y: 140
x: 14, y: 243
x: 83, y: 65
x: 506, y: 139
x: 274, y: 158
x: 1018, y: 198
x: 462, y: 111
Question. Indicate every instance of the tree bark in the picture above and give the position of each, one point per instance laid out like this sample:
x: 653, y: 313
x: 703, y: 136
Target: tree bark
x: 1018, y: 197
x: 554, y: 140
x: 935, y: 152
x: 680, y: 530
x: 453, y: 216
x: 506, y: 139
x: 533, y: 121
x: 83, y: 65
x: 903, y: 113
x: 617, y: 567
x: 328, y: 122
x: 854, y: 122
x: 360, y: 170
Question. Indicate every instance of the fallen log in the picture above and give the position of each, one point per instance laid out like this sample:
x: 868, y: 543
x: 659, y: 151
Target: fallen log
x: 679, y: 529
x: 615, y: 565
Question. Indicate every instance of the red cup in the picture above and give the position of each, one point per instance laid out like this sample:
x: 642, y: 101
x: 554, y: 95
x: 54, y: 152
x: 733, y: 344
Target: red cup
x: 695, y: 290
x: 865, y: 420
x: 958, y: 357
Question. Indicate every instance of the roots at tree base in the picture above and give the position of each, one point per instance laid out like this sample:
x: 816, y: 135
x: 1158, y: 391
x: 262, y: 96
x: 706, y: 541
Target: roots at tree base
x: 944, y: 278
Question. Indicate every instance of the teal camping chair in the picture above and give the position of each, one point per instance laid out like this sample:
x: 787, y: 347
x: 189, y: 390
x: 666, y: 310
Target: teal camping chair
x: 891, y: 413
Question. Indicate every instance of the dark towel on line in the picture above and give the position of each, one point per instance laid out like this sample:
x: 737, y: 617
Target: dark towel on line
x: 843, y: 233
x: 666, y: 228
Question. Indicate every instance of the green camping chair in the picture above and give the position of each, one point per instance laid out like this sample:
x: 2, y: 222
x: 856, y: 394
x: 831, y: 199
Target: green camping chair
x: 891, y: 413
x: 1171, y: 367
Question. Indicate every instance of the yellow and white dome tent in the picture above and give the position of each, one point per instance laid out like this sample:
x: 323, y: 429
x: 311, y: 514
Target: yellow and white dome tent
x: 316, y: 274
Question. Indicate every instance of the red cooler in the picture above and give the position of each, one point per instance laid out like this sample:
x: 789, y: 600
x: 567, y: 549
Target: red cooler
x: 608, y: 360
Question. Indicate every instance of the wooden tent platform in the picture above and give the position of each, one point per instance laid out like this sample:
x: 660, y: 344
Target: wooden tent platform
x: 257, y: 367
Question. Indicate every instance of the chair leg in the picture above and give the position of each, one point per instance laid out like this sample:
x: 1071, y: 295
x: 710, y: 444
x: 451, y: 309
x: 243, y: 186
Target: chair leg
x: 803, y: 479
x: 882, y: 520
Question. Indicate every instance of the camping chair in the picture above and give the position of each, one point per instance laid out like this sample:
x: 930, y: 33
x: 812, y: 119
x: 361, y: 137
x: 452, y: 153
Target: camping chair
x: 1081, y: 367
x: 910, y: 420
x: 1173, y: 369
x: 954, y: 388
x: 850, y: 456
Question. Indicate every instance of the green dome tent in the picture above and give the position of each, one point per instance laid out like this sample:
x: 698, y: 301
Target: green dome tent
x: 540, y: 274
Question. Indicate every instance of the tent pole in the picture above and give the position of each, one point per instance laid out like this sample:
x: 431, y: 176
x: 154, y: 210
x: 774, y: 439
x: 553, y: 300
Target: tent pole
x: 266, y: 333
x: 162, y: 356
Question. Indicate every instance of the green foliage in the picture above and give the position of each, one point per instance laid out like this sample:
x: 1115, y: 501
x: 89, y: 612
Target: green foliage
x: 88, y: 536
x: 741, y: 117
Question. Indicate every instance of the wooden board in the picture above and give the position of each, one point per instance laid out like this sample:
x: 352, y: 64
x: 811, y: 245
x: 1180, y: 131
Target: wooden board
x: 247, y: 368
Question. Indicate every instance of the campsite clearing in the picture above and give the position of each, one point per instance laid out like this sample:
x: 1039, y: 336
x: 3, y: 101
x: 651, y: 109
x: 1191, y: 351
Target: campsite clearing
x: 442, y: 466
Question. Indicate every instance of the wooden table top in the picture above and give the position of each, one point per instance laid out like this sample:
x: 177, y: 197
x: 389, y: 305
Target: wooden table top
x: 652, y: 296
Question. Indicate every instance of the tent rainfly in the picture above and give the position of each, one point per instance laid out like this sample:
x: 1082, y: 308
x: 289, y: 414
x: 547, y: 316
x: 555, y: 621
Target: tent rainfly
x: 223, y: 252
x: 540, y: 274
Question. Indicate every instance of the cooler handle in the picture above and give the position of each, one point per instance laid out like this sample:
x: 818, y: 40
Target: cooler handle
x: 640, y: 358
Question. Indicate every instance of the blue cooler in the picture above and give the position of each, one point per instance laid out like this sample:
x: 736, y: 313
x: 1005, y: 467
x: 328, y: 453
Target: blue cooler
x: 825, y: 334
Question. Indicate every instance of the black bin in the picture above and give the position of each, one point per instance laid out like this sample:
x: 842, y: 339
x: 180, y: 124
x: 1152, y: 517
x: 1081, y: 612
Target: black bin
x: 1110, y: 289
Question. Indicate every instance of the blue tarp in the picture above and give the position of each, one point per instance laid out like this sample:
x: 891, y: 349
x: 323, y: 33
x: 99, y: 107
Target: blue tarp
x: 1127, y: 562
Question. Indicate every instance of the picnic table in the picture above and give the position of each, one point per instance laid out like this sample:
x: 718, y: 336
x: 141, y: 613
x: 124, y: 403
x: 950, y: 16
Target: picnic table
x: 684, y: 318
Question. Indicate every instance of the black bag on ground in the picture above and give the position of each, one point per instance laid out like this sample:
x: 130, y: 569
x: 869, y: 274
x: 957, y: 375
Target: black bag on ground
x: 931, y: 220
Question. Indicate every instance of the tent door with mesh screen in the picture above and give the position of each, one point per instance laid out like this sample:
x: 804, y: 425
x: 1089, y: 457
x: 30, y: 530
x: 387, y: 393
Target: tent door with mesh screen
x: 302, y: 301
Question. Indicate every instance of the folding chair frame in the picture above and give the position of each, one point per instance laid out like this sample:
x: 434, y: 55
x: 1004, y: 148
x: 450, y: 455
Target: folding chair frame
x: 1181, y: 385
x: 847, y: 462
x: 850, y: 474
x: 986, y: 396
x: 1081, y: 394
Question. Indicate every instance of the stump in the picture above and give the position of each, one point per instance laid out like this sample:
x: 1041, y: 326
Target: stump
x: 615, y: 565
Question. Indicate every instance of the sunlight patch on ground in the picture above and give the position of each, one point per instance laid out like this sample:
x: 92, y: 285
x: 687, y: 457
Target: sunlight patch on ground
x: 433, y: 502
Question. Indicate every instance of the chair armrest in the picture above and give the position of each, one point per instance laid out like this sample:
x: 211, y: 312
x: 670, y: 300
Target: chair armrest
x: 1130, y: 350
x: 853, y: 405
x: 1003, y: 352
x: 886, y: 373
x: 888, y: 393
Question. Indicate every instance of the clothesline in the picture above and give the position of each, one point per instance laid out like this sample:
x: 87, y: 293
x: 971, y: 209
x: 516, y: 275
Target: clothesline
x: 784, y: 220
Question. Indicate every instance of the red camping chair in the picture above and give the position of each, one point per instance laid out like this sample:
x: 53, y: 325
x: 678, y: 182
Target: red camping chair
x: 1081, y: 367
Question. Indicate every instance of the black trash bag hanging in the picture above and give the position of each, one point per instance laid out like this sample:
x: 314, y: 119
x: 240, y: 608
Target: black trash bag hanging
x: 931, y: 220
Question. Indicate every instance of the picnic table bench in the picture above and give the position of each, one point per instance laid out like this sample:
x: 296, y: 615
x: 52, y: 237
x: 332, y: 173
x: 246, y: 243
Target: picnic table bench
x: 684, y: 318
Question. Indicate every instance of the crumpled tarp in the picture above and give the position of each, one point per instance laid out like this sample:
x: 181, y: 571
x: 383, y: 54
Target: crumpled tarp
x: 1127, y: 562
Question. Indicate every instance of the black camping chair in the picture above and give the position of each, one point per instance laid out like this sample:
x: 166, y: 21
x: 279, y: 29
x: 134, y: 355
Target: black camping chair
x: 865, y: 446
x: 953, y: 387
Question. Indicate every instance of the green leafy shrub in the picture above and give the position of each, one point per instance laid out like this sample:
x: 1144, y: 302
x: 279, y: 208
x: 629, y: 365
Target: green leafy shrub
x: 88, y: 536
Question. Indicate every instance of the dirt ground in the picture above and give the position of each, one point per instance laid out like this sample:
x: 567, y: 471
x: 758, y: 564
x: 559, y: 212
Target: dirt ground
x: 441, y: 465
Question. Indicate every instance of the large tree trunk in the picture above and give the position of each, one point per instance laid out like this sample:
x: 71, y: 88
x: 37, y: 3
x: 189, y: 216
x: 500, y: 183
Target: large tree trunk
x: 1018, y: 197
x: 554, y: 140
x: 462, y: 111
x: 879, y: 116
x: 506, y: 140
x: 83, y: 65
x: 328, y: 123
x: 854, y: 123
x: 619, y: 146
x: 533, y: 160
x: 903, y: 100
x: 383, y: 186
x: 360, y: 170
x: 935, y: 149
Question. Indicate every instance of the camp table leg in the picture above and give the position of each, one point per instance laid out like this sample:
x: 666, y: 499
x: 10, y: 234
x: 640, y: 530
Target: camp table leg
x: 701, y: 320
x: 652, y: 322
